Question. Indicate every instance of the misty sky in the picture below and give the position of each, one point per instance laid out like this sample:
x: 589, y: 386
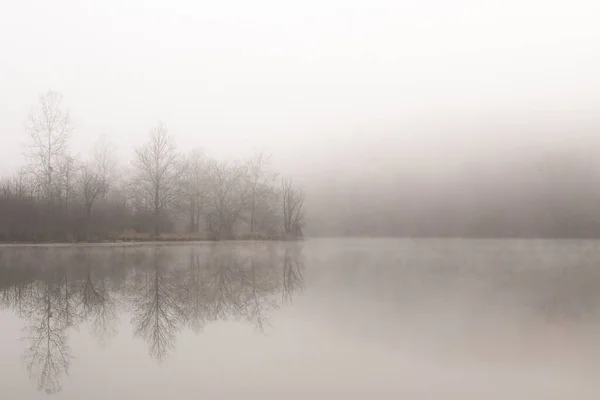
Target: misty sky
x: 310, y: 81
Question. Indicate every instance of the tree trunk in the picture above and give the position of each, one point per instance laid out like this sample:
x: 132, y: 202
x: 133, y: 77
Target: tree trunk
x: 156, y: 224
x: 192, y: 227
x: 88, y: 222
x: 156, y: 212
x: 197, y: 220
x: 252, y: 212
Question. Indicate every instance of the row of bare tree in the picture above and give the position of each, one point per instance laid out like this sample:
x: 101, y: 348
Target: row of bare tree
x: 58, y: 196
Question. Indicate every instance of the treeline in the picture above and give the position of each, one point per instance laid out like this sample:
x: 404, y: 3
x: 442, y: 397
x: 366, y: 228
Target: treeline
x: 161, y: 291
x: 59, y: 196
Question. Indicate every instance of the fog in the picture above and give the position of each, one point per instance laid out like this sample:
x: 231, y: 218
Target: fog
x: 397, y: 118
x: 389, y: 133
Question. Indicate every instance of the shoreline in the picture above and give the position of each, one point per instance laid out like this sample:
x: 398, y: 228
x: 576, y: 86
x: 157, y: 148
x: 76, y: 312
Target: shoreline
x: 145, y: 242
x: 132, y: 243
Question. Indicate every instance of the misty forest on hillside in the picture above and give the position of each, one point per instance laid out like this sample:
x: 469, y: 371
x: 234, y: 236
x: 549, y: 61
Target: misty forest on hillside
x: 59, y: 196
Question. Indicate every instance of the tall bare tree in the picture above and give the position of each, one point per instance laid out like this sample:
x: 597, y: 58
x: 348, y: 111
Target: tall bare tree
x: 48, y: 126
x: 158, y: 173
x: 260, y: 178
x: 292, y: 204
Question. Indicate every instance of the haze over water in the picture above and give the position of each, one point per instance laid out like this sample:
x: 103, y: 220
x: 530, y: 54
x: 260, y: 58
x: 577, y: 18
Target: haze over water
x: 143, y: 120
x: 422, y: 319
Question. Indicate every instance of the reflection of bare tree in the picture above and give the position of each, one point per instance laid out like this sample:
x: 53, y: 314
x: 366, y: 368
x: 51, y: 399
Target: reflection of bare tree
x: 90, y: 297
x: 67, y: 289
x: 293, y: 264
x: 57, y: 290
x: 35, y: 295
x: 48, y: 356
x: 194, y: 294
x: 15, y: 296
x: 223, y: 285
x: 157, y: 313
x: 98, y: 305
x: 232, y: 285
x: 104, y: 316
x: 258, y: 298
x: 15, y: 287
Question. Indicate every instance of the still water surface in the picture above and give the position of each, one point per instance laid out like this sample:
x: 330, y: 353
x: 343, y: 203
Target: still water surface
x: 326, y: 318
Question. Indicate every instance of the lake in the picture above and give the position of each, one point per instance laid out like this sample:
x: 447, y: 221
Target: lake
x: 322, y: 318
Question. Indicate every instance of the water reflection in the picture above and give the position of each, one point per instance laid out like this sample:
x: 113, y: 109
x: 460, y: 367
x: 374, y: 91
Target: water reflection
x: 48, y: 356
x: 162, y: 290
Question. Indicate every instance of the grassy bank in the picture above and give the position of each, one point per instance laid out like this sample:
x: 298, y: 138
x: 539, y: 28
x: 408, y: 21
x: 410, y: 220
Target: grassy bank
x: 138, y: 237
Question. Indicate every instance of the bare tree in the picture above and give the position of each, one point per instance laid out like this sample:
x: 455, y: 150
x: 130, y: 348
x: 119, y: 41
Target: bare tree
x: 96, y: 177
x: 228, y: 197
x: 91, y: 186
x: 18, y: 210
x: 104, y: 159
x: 158, y: 171
x: 21, y: 184
x: 267, y: 211
x: 49, y: 126
x: 293, y: 212
x: 195, y: 186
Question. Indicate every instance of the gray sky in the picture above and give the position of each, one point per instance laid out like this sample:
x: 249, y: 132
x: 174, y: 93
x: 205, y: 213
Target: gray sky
x: 305, y: 79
